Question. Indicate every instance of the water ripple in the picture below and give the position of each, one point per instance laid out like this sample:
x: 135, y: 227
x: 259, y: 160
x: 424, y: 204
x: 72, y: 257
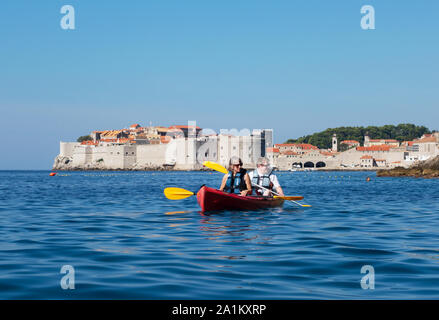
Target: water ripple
x: 127, y: 241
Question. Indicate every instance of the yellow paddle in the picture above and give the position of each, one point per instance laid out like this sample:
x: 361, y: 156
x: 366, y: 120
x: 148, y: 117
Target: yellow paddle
x: 177, y: 193
x: 280, y: 197
x: 290, y: 198
x: 215, y: 166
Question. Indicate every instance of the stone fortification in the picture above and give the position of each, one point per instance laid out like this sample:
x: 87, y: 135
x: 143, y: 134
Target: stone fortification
x: 179, y: 153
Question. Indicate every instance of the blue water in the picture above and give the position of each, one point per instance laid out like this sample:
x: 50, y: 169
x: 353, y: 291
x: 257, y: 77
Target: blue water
x: 125, y: 240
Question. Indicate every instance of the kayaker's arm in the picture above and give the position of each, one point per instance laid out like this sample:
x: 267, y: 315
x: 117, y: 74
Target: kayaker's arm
x: 276, y: 185
x: 249, y: 186
x: 280, y: 191
x: 223, y: 183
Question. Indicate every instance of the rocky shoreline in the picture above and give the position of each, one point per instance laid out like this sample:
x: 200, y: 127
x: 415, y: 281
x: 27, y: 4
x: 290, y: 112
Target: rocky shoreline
x: 427, y: 169
x: 66, y: 164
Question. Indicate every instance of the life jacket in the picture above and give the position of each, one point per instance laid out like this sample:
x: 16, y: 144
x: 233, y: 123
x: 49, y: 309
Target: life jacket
x: 262, y: 180
x: 236, y: 183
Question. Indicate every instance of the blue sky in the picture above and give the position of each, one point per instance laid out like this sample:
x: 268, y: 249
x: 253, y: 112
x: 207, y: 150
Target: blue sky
x: 295, y: 66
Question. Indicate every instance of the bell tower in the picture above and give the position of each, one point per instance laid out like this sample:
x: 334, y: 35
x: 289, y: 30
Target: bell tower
x: 334, y: 143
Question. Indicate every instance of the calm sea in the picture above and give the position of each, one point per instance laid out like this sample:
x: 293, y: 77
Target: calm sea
x: 124, y: 240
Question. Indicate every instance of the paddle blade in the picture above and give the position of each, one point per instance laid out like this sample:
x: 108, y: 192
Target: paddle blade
x: 215, y: 166
x: 297, y: 198
x: 177, y: 193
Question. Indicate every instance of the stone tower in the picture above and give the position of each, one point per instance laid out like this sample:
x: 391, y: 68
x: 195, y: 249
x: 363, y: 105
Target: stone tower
x: 366, y: 139
x: 334, y: 143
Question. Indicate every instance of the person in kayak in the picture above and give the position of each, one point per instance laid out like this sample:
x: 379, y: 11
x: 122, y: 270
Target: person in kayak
x: 237, y: 180
x: 263, y: 176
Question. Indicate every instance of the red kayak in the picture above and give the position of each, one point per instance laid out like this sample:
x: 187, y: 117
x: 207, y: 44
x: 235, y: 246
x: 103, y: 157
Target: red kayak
x: 211, y: 199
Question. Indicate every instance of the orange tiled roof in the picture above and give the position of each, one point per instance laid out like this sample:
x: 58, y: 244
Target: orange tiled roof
x: 273, y: 150
x: 308, y: 146
x: 110, y: 133
x: 305, y: 146
x: 289, y: 153
x: 165, y: 139
x: 183, y: 127
x: 386, y: 140
x: 366, y: 157
x: 89, y: 143
x: 374, y: 148
x: 285, y: 145
x: 425, y: 140
x: 163, y: 129
x: 350, y: 141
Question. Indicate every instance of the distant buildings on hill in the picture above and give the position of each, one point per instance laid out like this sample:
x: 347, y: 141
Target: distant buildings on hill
x: 374, y: 154
x: 185, y: 147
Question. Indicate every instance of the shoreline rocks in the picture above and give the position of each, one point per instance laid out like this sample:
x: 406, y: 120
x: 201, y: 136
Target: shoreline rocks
x: 63, y: 163
x: 427, y: 169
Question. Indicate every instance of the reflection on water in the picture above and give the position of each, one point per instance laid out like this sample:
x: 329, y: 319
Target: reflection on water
x: 177, y: 212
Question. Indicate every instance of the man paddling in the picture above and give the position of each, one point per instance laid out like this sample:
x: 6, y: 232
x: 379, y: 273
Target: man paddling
x: 263, y: 176
x: 237, y: 180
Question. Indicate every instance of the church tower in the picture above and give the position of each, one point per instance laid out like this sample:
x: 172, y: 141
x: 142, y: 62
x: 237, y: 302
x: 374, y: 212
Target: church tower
x: 366, y: 139
x: 334, y: 143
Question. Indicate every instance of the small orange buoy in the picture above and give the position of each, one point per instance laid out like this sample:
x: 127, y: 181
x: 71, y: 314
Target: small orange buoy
x: 52, y: 174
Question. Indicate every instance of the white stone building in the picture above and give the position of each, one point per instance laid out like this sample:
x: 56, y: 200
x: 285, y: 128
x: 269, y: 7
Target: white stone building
x: 179, y: 152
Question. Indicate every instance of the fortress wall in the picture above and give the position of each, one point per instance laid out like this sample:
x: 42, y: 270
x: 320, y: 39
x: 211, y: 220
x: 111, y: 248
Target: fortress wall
x: 251, y: 150
x: 207, y: 149
x: 152, y: 154
x: 115, y: 156
x: 82, y: 155
x: 66, y: 149
x: 186, y: 153
x: 234, y: 148
x: 130, y: 156
x: 99, y: 152
x: 223, y: 150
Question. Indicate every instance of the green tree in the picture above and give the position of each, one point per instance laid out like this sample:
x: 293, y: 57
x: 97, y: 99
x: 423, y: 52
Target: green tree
x: 84, y: 138
x: 401, y: 132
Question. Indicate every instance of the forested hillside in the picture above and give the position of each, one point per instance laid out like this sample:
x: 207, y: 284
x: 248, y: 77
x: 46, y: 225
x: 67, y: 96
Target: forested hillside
x: 401, y: 132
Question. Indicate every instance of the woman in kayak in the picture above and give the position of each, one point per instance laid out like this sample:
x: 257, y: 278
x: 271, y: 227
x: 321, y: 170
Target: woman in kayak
x: 237, y: 180
x: 264, y: 177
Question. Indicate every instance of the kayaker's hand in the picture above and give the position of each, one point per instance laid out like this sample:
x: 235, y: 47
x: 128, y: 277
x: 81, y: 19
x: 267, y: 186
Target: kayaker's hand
x: 244, y: 193
x: 280, y: 191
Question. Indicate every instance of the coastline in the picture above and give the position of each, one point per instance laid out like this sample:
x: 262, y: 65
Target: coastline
x: 409, y: 173
x: 427, y: 169
x: 204, y: 169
